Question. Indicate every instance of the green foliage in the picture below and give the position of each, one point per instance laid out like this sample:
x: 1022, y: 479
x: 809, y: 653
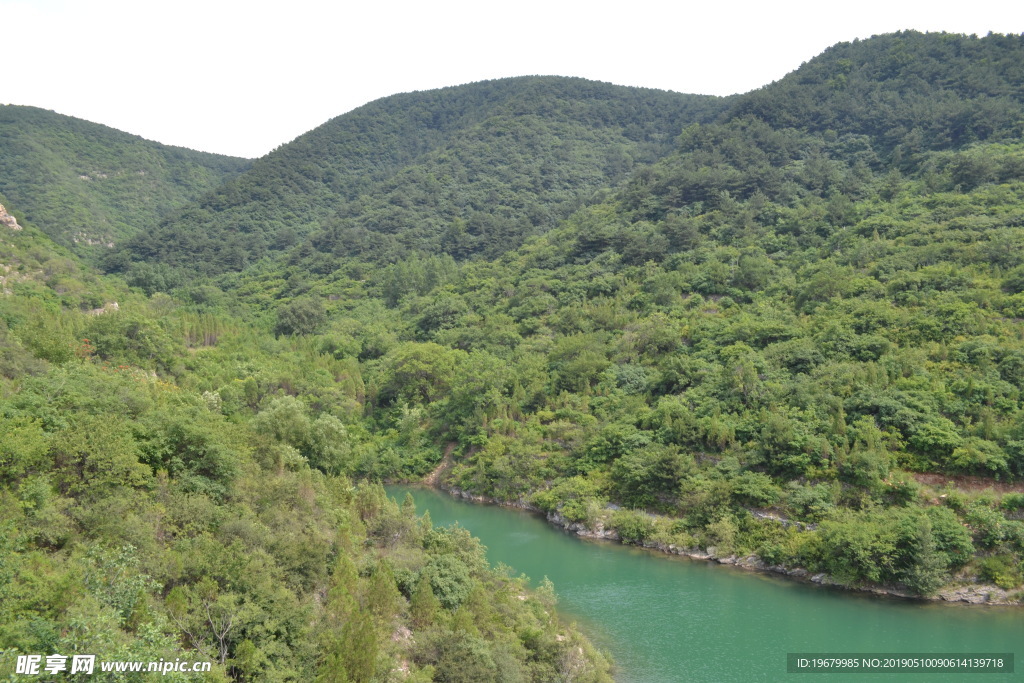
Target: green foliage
x: 810, y: 502
x: 416, y: 373
x: 836, y: 90
x: 467, y: 170
x: 424, y: 603
x: 466, y: 659
x: 302, y: 316
x: 576, y: 499
x: 24, y: 448
x: 612, y: 442
x: 950, y: 537
x: 980, y: 456
x: 1002, y: 570
x: 449, y: 579
x: 756, y: 489
x: 764, y: 328
x: 914, y: 547
x: 132, y: 339
x: 722, y: 535
x: 87, y: 185
x: 94, y: 453
x: 643, y: 476
x: 633, y: 526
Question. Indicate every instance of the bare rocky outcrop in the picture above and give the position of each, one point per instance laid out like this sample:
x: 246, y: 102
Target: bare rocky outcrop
x: 487, y: 500
x: 582, y: 530
x: 105, y: 308
x: 7, y: 219
x: 976, y: 595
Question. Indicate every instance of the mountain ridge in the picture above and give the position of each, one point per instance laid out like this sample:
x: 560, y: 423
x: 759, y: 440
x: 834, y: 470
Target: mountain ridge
x: 88, y: 185
x: 306, y: 184
x: 396, y: 176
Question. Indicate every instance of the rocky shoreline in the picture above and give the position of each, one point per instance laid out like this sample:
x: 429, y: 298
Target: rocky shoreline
x: 974, y: 594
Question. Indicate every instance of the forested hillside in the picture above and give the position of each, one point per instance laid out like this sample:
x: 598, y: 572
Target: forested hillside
x: 789, y: 324
x: 910, y: 91
x: 89, y: 186
x: 468, y: 170
x: 774, y: 321
x: 143, y: 518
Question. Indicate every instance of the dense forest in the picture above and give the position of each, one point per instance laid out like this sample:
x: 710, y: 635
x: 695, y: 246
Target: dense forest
x: 786, y: 324
x: 89, y: 186
x: 468, y: 170
x: 144, y: 518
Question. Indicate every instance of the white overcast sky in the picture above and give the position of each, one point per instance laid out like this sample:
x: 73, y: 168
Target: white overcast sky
x: 242, y: 78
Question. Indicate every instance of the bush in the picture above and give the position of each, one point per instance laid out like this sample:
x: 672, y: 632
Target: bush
x: 755, y: 488
x: 449, y: 579
x: 1002, y: 570
x: 633, y: 526
x: 950, y: 536
x: 1012, y: 502
x: 722, y: 535
x: 649, y: 474
x: 810, y: 502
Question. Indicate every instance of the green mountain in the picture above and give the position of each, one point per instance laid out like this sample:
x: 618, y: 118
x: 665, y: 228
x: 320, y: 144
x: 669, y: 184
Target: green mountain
x: 786, y: 324
x: 779, y: 315
x: 89, y: 186
x: 908, y: 91
x: 816, y: 320
x: 467, y: 170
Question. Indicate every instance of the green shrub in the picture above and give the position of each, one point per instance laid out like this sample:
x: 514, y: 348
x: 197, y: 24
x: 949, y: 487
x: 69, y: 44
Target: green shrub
x: 1002, y: 570
x: 633, y: 526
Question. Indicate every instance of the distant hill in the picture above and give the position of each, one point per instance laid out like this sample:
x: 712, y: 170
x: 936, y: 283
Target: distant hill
x: 473, y: 170
x: 88, y: 185
x: 466, y: 170
x: 908, y: 90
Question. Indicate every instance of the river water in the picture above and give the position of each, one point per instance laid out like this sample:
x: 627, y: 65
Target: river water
x: 666, y: 618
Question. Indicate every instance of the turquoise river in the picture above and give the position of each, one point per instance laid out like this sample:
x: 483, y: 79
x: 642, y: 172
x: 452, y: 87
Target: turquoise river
x: 666, y: 618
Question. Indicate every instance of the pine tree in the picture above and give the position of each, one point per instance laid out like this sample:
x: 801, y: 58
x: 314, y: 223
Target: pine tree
x: 424, y: 605
x: 382, y: 594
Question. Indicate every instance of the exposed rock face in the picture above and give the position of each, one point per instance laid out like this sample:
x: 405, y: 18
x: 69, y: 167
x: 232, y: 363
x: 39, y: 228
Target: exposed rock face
x: 583, y: 530
x: 976, y: 595
x: 106, y: 308
x: 466, y: 495
x: 7, y: 219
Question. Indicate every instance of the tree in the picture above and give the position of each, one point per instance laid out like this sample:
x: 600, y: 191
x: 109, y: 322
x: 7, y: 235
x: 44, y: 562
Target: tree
x: 304, y: 315
x: 416, y: 373
x: 449, y: 579
x: 644, y: 476
x: 423, y: 605
x: 927, y: 570
x: 350, y: 642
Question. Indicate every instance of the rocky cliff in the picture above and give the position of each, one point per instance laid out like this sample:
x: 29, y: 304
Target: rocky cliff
x: 7, y: 219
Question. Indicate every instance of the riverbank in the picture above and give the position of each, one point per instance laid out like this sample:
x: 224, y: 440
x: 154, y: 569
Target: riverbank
x: 666, y: 619
x: 964, y: 593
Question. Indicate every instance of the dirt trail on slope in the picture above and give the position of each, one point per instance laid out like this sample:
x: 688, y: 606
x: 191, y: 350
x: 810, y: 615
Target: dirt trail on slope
x: 442, y: 469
